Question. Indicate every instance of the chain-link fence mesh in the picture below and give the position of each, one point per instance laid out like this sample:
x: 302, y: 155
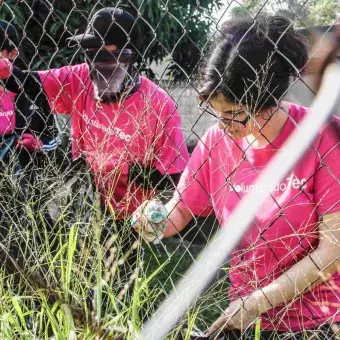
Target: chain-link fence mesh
x: 99, y: 109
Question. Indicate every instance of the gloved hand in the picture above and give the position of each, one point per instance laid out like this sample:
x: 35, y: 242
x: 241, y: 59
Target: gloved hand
x: 30, y: 143
x: 6, y: 68
x: 149, y: 220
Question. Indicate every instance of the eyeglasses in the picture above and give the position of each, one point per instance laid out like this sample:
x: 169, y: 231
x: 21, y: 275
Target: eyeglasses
x: 207, y: 109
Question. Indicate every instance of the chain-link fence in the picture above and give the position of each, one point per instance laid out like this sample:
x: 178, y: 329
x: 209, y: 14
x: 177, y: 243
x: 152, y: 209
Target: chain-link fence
x: 200, y: 105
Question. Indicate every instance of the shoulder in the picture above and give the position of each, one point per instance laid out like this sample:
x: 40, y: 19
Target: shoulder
x: 213, y: 136
x: 297, y: 112
x: 205, y: 145
x: 329, y: 132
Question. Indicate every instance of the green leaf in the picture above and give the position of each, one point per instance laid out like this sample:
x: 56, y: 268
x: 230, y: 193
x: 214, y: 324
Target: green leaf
x: 258, y: 329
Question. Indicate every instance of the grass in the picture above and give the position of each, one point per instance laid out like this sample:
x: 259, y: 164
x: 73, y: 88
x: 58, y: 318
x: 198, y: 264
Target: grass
x: 61, y: 284
x: 176, y: 256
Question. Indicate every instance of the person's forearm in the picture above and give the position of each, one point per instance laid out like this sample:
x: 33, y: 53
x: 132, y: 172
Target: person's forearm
x: 179, y: 217
x: 319, y: 266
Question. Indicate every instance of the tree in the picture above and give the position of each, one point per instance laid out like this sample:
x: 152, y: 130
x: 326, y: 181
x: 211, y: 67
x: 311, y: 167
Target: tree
x: 178, y: 28
x: 307, y: 13
x: 324, y: 12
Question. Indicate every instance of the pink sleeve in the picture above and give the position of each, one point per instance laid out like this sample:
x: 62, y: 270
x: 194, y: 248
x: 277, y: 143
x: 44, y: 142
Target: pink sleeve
x: 60, y: 85
x: 327, y: 176
x: 172, y: 151
x: 193, y: 191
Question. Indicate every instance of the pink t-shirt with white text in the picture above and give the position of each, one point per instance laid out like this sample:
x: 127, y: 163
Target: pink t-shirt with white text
x: 7, y: 113
x: 144, y: 128
x: 220, y: 172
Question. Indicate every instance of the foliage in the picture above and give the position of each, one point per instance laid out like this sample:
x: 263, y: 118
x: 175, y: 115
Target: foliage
x: 59, y: 277
x: 307, y: 13
x: 65, y: 286
x: 324, y: 12
x: 176, y: 28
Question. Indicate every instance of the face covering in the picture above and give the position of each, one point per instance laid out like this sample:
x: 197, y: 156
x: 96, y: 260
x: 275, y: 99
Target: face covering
x: 112, y: 74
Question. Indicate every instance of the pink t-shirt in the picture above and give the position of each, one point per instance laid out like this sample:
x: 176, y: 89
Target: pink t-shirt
x: 144, y: 128
x: 7, y: 113
x: 220, y: 172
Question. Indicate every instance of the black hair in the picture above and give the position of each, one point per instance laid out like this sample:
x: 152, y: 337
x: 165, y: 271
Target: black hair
x: 252, y: 60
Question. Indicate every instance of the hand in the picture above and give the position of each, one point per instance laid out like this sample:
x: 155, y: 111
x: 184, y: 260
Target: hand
x: 149, y: 220
x: 6, y: 68
x: 236, y: 316
x: 30, y: 143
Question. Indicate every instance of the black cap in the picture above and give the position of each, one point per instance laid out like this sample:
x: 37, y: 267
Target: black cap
x: 8, y: 36
x: 110, y: 26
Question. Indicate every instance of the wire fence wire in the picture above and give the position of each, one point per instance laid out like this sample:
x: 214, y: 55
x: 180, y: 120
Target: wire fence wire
x: 77, y: 159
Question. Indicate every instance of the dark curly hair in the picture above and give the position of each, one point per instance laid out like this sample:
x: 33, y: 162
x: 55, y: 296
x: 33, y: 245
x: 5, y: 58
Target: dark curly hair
x: 252, y: 60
